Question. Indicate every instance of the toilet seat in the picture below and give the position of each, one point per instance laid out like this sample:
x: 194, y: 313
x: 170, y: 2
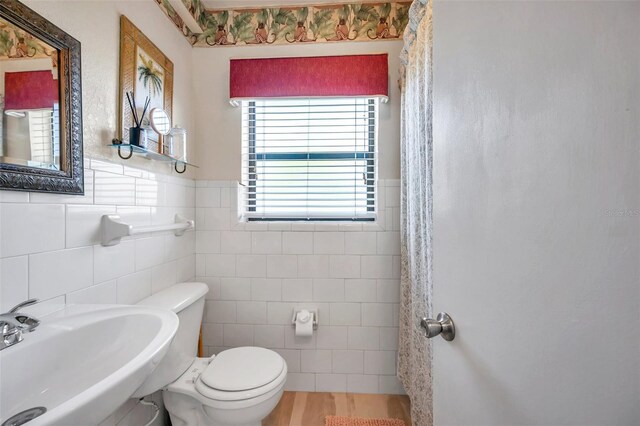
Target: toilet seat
x: 242, y: 369
x: 192, y: 403
x: 241, y: 373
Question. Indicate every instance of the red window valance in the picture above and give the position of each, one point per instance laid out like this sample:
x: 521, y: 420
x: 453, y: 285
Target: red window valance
x: 353, y: 75
x: 30, y: 90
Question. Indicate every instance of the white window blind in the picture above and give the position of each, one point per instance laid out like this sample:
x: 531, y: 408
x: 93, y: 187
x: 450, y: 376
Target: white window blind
x: 309, y: 159
x: 44, y: 135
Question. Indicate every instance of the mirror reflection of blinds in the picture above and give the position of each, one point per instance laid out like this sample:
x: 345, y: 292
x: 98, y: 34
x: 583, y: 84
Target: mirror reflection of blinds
x: 309, y: 159
x: 44, y: 135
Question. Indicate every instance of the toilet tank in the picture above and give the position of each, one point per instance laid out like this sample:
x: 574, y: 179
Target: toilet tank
x: 187, y: 301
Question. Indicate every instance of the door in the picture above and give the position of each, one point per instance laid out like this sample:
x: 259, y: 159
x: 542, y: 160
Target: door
x: 537, y: 212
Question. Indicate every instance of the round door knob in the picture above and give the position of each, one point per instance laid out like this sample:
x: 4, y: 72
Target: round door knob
x: 443, y: 325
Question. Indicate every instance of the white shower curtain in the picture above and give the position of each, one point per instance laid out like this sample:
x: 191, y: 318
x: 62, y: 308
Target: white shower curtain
x: 414, y: 356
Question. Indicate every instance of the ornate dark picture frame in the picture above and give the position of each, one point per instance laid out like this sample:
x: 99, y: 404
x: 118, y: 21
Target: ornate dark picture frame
x: 70, y: 179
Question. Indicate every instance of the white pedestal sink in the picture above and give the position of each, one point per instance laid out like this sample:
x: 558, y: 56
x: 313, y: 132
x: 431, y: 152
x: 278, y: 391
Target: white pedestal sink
x: 83, y: 362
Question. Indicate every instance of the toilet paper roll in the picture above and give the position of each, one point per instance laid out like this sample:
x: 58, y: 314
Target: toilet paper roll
x: 304, y: 323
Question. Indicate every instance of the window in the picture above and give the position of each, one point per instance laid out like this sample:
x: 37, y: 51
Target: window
x: 309, y: 159
x: 44, y: 135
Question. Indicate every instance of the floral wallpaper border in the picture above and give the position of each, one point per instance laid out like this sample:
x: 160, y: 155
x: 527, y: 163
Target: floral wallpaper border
x: 298, y: 24
x: 175, y: 18
x: 15, y: 43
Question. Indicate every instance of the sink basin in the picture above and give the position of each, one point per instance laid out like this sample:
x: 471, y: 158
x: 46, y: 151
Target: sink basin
x: 83, y: 362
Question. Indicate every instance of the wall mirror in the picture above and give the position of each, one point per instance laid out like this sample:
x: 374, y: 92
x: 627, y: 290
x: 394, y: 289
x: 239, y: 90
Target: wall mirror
x: 40, y: 104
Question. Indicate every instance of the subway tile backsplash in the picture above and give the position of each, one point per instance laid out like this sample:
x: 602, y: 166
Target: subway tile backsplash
x: 50, y: 244
x: 258, y: 272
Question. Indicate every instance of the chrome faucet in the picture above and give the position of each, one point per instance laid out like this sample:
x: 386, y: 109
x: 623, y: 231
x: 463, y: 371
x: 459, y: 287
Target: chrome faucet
x: 14, y: 324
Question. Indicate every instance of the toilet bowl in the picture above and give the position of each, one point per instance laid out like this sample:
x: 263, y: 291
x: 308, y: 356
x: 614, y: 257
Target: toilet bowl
x: 239, y: 386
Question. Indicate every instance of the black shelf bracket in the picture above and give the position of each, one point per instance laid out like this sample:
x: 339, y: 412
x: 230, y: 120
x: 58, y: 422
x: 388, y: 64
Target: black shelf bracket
x: 123, y: 157
x: 175, y: 167
x: 179, y: 166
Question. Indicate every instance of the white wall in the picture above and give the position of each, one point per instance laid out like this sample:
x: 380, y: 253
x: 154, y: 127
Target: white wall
x: 537, y: 212
x: 258, y: 272
x: 219, y: 124
x: 351, y: 272
x: 96, y: 24
x: 49, y: 244
x: 50, y: 235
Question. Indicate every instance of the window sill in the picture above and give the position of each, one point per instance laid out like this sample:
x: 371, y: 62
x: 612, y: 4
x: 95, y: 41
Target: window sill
x: 310, y: 225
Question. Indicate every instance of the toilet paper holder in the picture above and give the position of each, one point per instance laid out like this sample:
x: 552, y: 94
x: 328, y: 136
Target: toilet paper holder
x: 314, y: 315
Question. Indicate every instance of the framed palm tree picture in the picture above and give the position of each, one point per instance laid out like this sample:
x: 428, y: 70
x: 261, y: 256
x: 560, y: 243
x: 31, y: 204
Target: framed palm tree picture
x: 145, y: 71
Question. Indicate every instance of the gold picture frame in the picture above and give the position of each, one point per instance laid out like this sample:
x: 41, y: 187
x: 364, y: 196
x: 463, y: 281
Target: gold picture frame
x: 156, y: 80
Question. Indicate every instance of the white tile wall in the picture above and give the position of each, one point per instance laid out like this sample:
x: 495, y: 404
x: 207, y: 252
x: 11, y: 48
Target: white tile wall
x: 50, y: 247
x: 15, y: 281
x: 31, y: 228
x: 59, y: 272
x: 259, y: 272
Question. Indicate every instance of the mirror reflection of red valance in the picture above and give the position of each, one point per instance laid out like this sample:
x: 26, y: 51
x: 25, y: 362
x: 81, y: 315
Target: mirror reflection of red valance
x: 30, y: 90
x: 319, y: 76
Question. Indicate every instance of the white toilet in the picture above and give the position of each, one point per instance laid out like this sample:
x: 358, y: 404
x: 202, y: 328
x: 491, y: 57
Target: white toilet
x: 239, y: 386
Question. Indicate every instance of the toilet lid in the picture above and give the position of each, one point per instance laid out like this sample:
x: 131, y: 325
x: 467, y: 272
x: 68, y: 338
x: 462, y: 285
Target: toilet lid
x: 242, y: 369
